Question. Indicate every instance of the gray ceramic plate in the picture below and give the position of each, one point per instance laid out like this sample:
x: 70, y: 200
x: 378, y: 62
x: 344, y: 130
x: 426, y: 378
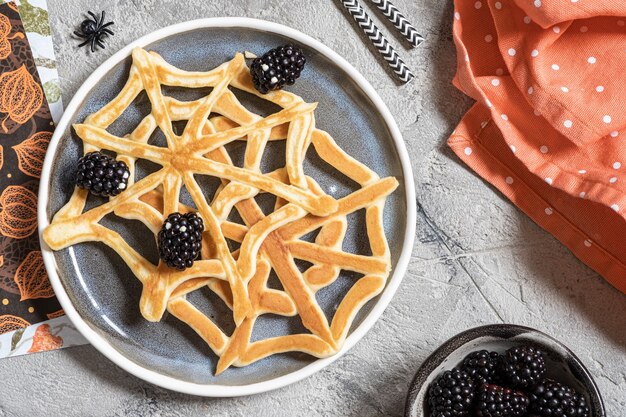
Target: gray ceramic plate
x: 562, y: 365
x: 98, y: 291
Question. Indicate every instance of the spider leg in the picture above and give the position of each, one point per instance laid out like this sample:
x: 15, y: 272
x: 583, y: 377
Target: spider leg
x: 93, y: 16
x: 80, y: 34
x: 110, y: 32
x: 101, y: 20
x: 106, y: 24
x: 85, y: 43
x: 100, y: 44
x: 93, y: 44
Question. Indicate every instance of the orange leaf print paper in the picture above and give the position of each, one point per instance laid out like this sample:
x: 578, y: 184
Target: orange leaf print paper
x: 26, y: 128
x: 43, y: 340
x: 56, y: 314
x: 13, y: 253
x: 18, y: 218
x: 31, y: 153
x: 20, y: 96
x: 9, y: 323
x: 5, y: 30
x: 31, y: 278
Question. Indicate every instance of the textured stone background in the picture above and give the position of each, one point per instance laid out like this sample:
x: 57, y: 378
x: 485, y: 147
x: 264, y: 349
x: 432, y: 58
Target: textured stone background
x: 477, y: 259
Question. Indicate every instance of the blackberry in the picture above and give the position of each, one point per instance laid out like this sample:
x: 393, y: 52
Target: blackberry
x: 451, y: 394
x: 497, y: 401
x: 276, y: 68
x: 523, y: 366
x: 180, y: 240
x: 482, y: 366
x: 101, y: 174
x: 553, y: 399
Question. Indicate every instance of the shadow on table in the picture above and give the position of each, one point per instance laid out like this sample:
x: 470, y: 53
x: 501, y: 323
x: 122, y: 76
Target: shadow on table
x: 141, y: 396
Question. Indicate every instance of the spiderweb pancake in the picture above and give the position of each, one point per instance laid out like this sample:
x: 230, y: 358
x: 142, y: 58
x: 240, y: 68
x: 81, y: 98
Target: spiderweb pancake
x: 267, y: 242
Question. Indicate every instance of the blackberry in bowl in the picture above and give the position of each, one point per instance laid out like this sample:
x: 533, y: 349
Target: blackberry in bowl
x: 523, y: 366
x: 483, y: 366
x: 452, y: 394
x: 482, y: 354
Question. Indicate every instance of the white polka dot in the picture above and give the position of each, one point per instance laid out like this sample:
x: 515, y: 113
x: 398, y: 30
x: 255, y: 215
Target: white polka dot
x: 488, y: 38
x: 499, y: 71
x: 587, y: 243
x: 466, y: 58
x: 504, y: 117
x: 457, y: 16
x: 477, y: 5
x: 606, y: 118
x: 488, y: 103
x: 531, y: 90
x: 620, y: 23
x: 582, y: 171
x: 537, y: 3
x: 543, y: 149
x: 556, y: 29
x: 582, y: 194
x: 495, y: 82
x: 555, y: 67
x: 568, y: 123
x: 498, y: 5
x: 565, y: 89
x: 584, y: 29
x: 512, y: 51
x: 534, y: 53
x: 600, y: 88
x: 536, y: 112
x: 614, y: 134
x: 513, y: 148
x: 527, y: 19
x: 574, y: 1
x: 509, y: 180
x: 617, y: 165
x: 615, y: 207
x: 468, y: 151
x: 483, y: 124
x: 613, y: 180
x: 592, y: 60
x: 549, y: 180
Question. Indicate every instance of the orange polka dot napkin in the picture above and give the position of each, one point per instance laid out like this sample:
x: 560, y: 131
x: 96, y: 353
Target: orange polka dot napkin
x: 549, y: 125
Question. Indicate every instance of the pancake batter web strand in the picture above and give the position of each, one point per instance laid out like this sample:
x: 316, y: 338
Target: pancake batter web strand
x: 268, y: 242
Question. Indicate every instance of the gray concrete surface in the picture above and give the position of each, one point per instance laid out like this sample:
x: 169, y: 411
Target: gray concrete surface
x: 477, y: 259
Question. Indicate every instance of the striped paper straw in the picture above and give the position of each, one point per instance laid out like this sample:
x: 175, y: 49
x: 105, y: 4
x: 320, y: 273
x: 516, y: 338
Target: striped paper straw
x: 399, y: 21
x: 380, y: 42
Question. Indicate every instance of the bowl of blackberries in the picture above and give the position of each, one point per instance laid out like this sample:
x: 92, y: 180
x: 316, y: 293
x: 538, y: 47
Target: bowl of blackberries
x: 503, y: 370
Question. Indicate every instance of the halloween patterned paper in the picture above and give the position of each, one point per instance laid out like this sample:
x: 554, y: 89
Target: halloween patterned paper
x: 57, y: 330
x: 25, y: 130
x: 34, y: 15
x: 52, y: 334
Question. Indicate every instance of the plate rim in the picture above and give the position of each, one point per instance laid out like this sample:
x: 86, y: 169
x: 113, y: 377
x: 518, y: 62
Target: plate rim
x: 215, y: 390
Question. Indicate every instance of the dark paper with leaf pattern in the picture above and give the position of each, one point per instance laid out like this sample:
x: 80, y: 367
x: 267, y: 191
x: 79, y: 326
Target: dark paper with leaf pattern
x: 26, y: 127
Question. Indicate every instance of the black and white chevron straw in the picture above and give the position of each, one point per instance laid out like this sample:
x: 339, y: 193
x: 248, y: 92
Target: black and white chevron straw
x: 399, y: 21
x: 380, y: 42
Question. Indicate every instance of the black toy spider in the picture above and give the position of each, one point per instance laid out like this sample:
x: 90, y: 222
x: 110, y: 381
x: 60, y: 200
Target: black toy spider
x: 93, y: 30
